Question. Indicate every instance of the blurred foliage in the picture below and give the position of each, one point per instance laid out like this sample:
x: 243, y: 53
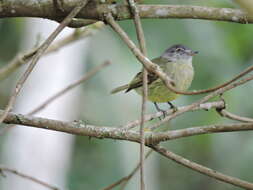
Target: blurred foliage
x: 10, y: 37
x: 11, y: 33
x: 225, y: 50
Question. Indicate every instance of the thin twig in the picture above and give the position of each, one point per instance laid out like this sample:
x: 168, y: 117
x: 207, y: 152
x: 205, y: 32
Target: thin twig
x: 149, y: 117
x: 31, y: 178
x: 75, y: 36
x: 229, y: 115
x: 61, y: 92
x: 243, y: 73
x: 111, y: 186
x: 38, y: 55
x: 18, y: 60
x: 24, y: 58
x: 134, y: 171
x: 142, y: 43
x: 202, y: 169
x: 143, y: 111
x: 126, y: 179
x: 203, y: 100
x: 151, y: 67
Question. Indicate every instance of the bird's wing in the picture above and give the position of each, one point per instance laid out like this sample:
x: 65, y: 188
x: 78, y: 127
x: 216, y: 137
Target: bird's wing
x: 137, y: 81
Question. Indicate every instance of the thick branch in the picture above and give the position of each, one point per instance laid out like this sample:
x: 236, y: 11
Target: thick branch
x: 80, y: 128
x: 46, y: 9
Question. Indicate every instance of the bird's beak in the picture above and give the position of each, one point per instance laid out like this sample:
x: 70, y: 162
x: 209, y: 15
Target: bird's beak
x: 192, y: 53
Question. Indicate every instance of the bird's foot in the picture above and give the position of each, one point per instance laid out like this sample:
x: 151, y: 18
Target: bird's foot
x: 160, y: 110
x: 174, y: 108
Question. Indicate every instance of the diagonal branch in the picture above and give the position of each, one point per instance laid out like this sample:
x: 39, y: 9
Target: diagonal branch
x: 125, y: 180
x: 38, y: 55
x: 202, y: 169
x: 154, y: 68
x: 69, y: 87
x: 25, y: 176
x: 151, y: 67
x: 24, y: 58
x: 61, y: 92
x: 203, y: 100
x: 229, y: 115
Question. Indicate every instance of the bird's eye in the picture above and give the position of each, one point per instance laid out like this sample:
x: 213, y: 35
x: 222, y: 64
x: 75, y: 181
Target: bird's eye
x: 178, y: 49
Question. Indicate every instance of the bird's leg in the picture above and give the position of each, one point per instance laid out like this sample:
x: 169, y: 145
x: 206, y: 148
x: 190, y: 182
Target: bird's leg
x: 172, y: 107
x: 159, y: 109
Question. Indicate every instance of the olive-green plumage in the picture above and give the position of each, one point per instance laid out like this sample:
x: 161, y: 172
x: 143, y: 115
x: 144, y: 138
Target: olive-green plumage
x: 176, y: 62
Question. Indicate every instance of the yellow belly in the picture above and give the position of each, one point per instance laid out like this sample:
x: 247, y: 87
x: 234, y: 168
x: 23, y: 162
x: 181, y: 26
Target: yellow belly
x: 158, y: 92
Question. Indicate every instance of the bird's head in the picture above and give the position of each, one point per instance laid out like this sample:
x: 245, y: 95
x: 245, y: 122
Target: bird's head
x: 179, y: 52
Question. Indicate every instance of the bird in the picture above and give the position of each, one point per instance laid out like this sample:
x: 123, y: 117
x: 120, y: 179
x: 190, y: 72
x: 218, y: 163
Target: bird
x: 176, y: 62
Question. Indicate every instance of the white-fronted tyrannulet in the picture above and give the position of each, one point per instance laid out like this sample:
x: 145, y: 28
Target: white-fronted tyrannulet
x: 176, y: 62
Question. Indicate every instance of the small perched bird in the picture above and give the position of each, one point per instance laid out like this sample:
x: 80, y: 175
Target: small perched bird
x: 176, y: 62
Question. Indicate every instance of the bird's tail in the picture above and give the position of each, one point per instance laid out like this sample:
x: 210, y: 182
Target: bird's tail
x: 116, y: 90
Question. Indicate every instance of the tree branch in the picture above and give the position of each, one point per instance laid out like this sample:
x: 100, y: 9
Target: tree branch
x: 180, y: 133
x: 227, y: 114
x: 203, y: 100
x: 154, y: 68
x: 142, y: 43
x: 149, y: 117
x: 38, y: 55
x: 46, y: 9
x: 126, y: 179
x: 83, y: 129
x: 61, y: 92
x: 151, y: 67
x: 202, y: 169
x: 79, y: 128
x: 31, y: 178
x: 24, y: 58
